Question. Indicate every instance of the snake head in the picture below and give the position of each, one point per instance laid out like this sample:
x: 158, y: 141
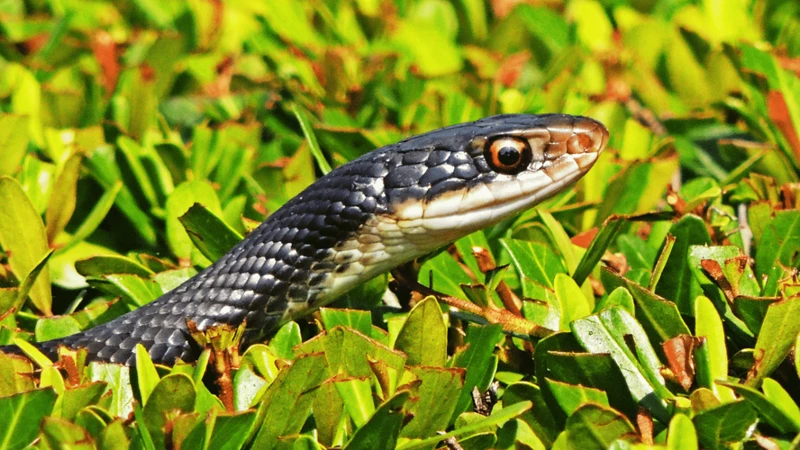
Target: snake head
x: 464, y: 178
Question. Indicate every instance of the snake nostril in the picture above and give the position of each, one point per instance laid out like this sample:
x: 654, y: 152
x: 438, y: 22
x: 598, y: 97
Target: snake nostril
x: 585, y: 141
x: 581, y: 143
x: 589, y: 136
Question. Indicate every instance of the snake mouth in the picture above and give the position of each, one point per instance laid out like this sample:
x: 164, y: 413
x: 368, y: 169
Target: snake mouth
x: 470, y: 209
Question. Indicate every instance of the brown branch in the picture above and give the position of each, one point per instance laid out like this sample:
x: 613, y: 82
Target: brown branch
x: 505, y: 318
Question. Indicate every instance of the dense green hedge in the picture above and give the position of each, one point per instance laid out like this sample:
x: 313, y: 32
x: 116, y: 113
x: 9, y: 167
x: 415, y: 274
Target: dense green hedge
x: 663, y: 289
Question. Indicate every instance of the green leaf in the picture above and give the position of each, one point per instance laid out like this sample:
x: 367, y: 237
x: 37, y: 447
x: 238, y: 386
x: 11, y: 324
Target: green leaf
x: 14, y: 142
x: 92, y: 421
x: 16, y: 375
x: 437, y: 397
x: 191, y: 431
x: 735, y: 270
x: 356, y: 395
x: 724, y: 424
x: 423, y: 337
x: 604, y: 237
x: 95, y: 314
x: 39, y: 358
x: 598, y: 371
x: 596, y: 427
x: 571, y: 301
x: 501, y: 416
x: 778, y: 396
x: 290, y: 21
x: 677, y: 281
x: 383, y: 428
x: 103, y: 265
x: 699, y: 191
x: 329, y: 414
x: 231, y: 431
x: 174, y: 393
x: 767, y: 410
x: 285, y: 340
x: 94, y: 218
x: 709, y: 326
x: 146, y: 376
x: 539, y: 417
x: 780, y: 243
x: 620, y: 297
x: 534, y: 262
x: 446, y: 274
x: 311, y: 139
x: 257, y: 370
x: 479, y: 360
x: 137, y: 290
x: 430, y: 49
x: 135, y: 156
x: 30, y: 281
x: 797, y: 355
x: 606, y: 333
x: 210, y: 234
x: 104, y: 168
x: 23, y: 236
x: 143, y: 437
x: 287, y: 401
x: 22, y: 414
x: 778, y: 333
x: 60, y: 433
x: 367, y: 295
x: 659, y: 317
x: 64, y: 198
x: 351, y: 353
x: 681, y: 434
x: 661, y: 262
x: 594, y: 28
x: 178, y: 203
x: 73, y: 399
x: 638, y: 187
x: 561, y: 239
x: 545, y: 24
x: 468, y: 245
x: 360, y: 321
x: 571, y: 397
x: 114, y: 436
x: 117, y: 378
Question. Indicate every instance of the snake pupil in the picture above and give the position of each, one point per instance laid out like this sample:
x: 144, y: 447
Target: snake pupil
x: 508, y: 156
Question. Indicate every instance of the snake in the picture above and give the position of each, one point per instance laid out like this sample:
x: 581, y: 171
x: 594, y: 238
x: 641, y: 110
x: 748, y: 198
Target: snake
x: 362, y: 219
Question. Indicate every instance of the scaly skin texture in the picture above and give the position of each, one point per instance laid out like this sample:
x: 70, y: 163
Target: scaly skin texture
x: 383, y: 209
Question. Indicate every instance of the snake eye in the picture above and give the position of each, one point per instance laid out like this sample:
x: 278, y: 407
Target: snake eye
x: 508, y: 155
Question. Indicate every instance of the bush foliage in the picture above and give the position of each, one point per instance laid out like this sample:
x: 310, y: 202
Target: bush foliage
x: 140, y: 139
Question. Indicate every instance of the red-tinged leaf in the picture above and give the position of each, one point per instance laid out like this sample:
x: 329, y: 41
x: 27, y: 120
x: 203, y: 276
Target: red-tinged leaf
x: 779, y: 113
x: 678, y: 351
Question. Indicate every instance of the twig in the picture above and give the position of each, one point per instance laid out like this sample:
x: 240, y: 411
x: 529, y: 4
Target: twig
x: 505, y: 318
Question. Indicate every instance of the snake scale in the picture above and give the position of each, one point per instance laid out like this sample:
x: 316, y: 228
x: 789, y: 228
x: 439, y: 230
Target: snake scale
x: 387, y: 207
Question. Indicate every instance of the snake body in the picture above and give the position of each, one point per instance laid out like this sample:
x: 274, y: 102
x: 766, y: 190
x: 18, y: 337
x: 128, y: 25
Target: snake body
x: 374, y: 213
